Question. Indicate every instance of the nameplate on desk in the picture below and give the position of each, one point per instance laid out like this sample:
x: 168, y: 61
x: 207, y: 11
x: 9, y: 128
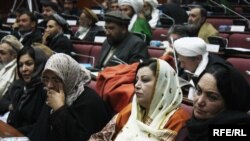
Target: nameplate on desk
x: 213, y: 48
x: 96, y: 11
x: 100, y: 39
x: 85, y: 65
x: 72, y: 22
x: 15, y: 139
x: 237, y: 28
x: 100, y: 23
x: 11, y: 20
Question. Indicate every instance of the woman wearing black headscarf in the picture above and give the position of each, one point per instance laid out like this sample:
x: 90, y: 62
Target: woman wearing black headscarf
x: 222, y: 98
x: 27, y: 93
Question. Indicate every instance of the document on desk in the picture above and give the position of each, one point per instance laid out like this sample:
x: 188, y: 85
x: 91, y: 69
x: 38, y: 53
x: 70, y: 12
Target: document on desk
x: 15, y: 139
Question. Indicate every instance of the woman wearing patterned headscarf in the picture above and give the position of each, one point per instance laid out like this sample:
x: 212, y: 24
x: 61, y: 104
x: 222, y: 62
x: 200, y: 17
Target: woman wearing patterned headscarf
x: 155, y: 112
x: 72, y: 111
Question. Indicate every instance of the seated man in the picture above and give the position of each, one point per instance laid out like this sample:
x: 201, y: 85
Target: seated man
x: 193, y: 59
x: 87, y: 26
x: 151, y: 12
x: 27, y: 31
x: 9, y: 47
x: 197, y: 19
x: 121, y: 46
x: 54, y: 35
x: 70, y: 7
x: 138, y: 22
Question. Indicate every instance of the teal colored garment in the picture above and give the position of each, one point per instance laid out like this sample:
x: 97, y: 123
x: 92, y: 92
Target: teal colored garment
x: 142, y: 26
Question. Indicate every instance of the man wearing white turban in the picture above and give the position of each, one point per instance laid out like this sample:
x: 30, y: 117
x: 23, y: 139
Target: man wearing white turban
x: 193, y: 59
x: 151, y: 12
x: 138, y: 22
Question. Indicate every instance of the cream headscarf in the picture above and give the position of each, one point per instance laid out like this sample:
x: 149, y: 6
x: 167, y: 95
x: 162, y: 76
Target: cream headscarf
x: 74, y: 77
x: 166, y: 100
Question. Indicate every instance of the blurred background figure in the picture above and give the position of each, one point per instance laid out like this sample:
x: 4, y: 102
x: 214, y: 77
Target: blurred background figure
x: 70, y: 7
x: 87, y: 29
x: 114, y: 5
x: 9, y: 48
x: 151, y: 12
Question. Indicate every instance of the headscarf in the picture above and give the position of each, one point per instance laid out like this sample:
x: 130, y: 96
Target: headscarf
x: 137, y: 5
x: 153, y: 3
x: 74, y: 77
x: 166, y: 99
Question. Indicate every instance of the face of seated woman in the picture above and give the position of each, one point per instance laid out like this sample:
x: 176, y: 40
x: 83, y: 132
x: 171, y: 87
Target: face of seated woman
x: 51, y: 81
x: 208, y: 101
x: 26, y: 67
x: 144, y: 86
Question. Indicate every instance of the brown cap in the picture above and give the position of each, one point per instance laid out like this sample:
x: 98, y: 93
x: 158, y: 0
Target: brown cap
x: 13, y: 42
x: 90, y: 14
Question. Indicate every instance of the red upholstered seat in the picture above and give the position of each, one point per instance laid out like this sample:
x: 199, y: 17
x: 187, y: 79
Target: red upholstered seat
x: 239, y: 40
x: 243, y: 65
x: 83, y: 49
x: 155, y: 51
x: 95, y: 52
x: 216, y: 22
x: 158, y: 34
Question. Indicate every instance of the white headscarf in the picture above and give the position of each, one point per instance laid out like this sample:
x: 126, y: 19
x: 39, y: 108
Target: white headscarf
x: 166, y: 99
x: 74, y: 77
x: 190, y: 46
x: 153, y: 3
x: 137, y: 5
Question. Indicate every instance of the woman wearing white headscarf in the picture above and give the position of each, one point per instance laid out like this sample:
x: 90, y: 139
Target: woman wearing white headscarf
x: 72, y: 111
x: 155, y: 113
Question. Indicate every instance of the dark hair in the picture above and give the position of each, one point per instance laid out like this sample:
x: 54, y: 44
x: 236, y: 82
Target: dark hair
x: 151, y: 63
x: 37, y: 55
x: 30, y: 15
x: 232, y: 86
x: 181, y: 30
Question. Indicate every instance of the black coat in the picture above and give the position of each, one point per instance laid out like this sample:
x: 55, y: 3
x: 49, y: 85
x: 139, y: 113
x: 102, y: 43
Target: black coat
x: 27, y: 105
x: 60, y: 44
x: 87, y: 115
x: 90, y: 36
x: 35, y: 36
x: 131, y: 49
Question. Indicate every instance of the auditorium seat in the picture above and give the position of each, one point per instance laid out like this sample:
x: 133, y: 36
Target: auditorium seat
x: 243, y: 65
x: 217, y: 22
x: 239, y: 40
x: 158, y: 34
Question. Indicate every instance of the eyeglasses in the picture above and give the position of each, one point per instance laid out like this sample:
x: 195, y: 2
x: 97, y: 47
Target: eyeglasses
x: 53, y: 80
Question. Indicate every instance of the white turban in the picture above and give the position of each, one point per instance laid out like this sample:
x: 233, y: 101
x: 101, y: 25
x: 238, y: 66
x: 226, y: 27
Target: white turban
x: 137, y: 5
x: 153, y: 3
x: 190, y: 46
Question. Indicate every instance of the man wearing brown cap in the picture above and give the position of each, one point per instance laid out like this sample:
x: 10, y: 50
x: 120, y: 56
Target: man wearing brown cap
x: 9, y: 47
x: 121, y: 46
x: 87, y: 26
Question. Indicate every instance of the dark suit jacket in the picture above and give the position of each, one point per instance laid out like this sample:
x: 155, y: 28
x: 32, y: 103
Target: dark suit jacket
x: 176, y: 12
x: 61, y: 44
x: 131, y: 49
x: 35, y: 36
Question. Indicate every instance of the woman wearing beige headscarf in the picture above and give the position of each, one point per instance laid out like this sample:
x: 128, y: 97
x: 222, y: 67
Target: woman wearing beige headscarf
x: 72, y: 111
x: 155, y: 113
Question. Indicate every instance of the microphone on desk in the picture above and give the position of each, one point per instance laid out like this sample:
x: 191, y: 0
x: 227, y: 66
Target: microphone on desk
x: 225, y: 7
x: 82, y: 55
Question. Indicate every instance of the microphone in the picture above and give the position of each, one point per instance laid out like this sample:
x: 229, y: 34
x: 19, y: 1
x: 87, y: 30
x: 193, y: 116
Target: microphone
x: 247, y: 2
x: 225, y: 7
x: 163, y: 14
x: 82, y: 55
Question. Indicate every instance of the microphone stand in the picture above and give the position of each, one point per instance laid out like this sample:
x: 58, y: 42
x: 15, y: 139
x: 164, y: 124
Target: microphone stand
x: 222, y: 5
x: 163, y: 14
x: 81, y: 55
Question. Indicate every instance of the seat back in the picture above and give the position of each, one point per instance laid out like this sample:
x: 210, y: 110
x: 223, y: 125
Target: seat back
x: 239, y: 40
x: 217, y: 22
x: 155, y: 51
x: 243, y: 65
x: 158, y: 34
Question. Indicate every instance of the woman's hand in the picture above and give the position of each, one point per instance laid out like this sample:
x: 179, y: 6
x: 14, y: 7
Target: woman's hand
x: 56, y: 99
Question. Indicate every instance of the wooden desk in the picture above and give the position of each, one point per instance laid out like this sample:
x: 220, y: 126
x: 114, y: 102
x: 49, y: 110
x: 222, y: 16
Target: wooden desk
x: 8, y: 131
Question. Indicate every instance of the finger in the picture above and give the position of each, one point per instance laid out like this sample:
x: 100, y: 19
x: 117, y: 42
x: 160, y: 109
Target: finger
x: 61, y: 88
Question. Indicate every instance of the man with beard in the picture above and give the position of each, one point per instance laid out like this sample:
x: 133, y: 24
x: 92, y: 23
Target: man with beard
x: 121, y: 46
x: 27, y: 31
x: 150, y: 12
x: 70, y: 8
x: 48, y: 9
x: 197, y: 21
x: 9, y: 48
x: 87, y: 26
